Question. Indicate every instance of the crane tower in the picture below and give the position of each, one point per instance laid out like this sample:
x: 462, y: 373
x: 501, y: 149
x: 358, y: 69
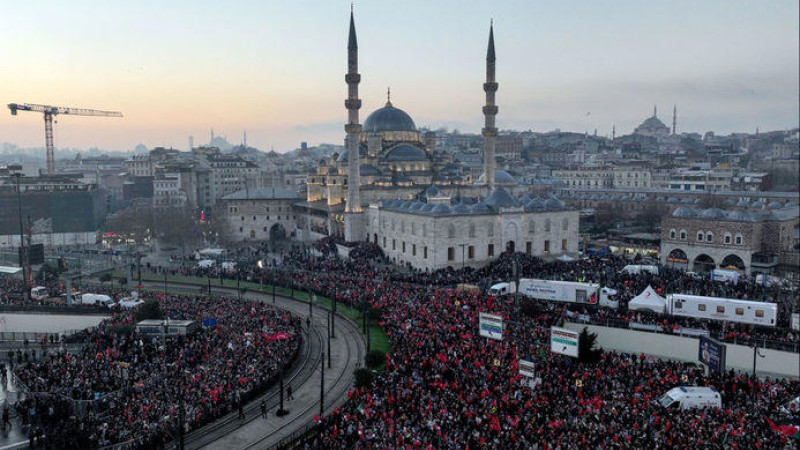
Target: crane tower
x: 49, y: 112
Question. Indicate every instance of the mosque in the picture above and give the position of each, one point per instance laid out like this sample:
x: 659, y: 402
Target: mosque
x: 392, y: 188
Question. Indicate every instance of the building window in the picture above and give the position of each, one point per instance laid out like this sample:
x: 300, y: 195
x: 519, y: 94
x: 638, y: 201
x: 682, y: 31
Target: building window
x: 490, y: 251
x: 240, y: 229
x: 471, y: 252
x: 404, y: 246
x: 424, y: 230
x: 384, y: 242
x: 727, y: 238
x: 683, y: 235
x: 472, y: 230
x: 242, y: 218
x: 565, y: 224
x: 528, y: 247
x: 563, y: 245
x: 709, y: 237
x: 451, y: 231
x: 738, y: 239
x: 531, y: 227
x: 394, y: 244
x: 414, y: 250
x: 490, y: 230
x: 451, y: 253
x: 546, y: 247
x: 425, y: 252
x: 700, y: 236
x: 547, y: 225
x: 672, y: 233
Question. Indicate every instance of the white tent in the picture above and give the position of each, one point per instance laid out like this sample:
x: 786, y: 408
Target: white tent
x: 565, y: 258
x: 648, y: 300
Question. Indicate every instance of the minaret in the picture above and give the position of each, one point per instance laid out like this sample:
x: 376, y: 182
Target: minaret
x: 613, y: 132
x: 674, y: 118
x: 353, y: 128
x: 489, y: 113
x: 655, y: 110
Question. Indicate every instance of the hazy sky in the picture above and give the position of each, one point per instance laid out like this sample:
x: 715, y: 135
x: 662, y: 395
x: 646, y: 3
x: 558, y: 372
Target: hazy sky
x: 276, y: 68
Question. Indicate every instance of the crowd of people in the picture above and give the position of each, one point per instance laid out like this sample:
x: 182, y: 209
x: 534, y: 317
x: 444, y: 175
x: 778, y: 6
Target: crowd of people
x: 446, y: 387
x: 124, y: 386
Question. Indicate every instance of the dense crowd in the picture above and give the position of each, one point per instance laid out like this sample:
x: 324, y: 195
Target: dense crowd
x: 128, y: 386
x: 445, y: 387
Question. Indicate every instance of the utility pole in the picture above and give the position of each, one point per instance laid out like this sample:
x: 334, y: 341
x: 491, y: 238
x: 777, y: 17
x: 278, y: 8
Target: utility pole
x: 322, y: 387
x: 23, y: 253
x: 330, y: 327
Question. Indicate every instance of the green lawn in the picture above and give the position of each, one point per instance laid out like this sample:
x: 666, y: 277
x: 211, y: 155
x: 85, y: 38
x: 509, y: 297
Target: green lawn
x: 378, y: 338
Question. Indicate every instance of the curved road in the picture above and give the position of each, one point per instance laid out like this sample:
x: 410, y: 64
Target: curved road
x: 347, y: 353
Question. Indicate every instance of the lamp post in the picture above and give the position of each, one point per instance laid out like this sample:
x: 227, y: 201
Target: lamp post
x: 330, y: 328
x: 462, y: 255
x: 322, y: 386
x: 22, y: 249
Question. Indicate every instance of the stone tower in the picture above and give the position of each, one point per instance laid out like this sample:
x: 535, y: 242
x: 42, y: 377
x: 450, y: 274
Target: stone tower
x: 354, y: 217
x: 489, y: 113
x: 674, y: 118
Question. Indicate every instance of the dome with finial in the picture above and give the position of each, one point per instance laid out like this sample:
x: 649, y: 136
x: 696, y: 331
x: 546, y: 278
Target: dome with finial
x: 389, y: 118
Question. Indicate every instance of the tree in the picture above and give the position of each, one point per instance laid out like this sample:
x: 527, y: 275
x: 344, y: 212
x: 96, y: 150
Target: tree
x: 375, y: 359
x: 106, y: 277
x: 363, y: 377
x: 46, y: 273
x: 587, y: 353
x: 150, y: 309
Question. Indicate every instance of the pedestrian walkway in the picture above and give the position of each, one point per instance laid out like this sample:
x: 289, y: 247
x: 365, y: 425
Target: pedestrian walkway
x: 14, y: 437
x: 347, y: 353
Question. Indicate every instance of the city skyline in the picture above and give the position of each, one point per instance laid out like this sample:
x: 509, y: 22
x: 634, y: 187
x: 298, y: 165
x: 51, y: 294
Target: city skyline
x: 276, y: 70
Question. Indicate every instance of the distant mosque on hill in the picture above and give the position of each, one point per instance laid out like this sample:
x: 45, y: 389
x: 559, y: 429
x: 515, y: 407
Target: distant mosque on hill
x: 392, y: 188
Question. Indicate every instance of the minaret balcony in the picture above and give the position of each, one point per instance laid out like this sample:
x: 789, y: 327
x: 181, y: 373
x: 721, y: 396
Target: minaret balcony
x: 352, y: 103
x: 490, y: 86
x: 490, y: 110
x: 352, y: 128
x: 352, y: 78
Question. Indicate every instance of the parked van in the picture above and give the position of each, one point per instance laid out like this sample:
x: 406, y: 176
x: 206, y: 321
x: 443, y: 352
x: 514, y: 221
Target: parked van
x: 97, y: 300
x: 501, y: 289
x: 687, y: 397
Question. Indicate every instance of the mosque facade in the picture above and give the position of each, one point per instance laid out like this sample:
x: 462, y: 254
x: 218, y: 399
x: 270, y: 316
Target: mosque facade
x: 390, y: 187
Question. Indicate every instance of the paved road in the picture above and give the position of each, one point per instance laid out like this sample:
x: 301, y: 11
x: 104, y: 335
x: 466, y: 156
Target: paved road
x: 347, y: 354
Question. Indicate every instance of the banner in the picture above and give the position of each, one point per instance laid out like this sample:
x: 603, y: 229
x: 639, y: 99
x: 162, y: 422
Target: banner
x: 712, y: 353
x: 527, y: 369
x: 564, y: 342
x: 491, y: 326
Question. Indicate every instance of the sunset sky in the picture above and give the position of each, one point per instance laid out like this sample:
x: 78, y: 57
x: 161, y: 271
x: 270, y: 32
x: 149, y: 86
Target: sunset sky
x: 276, y: 68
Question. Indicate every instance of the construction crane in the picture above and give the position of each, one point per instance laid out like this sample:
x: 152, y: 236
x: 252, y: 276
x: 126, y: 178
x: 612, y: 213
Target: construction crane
x: 49, y: 112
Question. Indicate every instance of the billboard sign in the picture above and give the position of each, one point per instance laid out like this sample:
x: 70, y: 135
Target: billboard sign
x: 564, y: 342
x: 491, y: 326
x: 527, y: 369
x: 711, y: 352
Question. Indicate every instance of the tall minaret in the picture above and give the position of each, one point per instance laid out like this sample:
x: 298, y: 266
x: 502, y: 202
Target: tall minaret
x: 489, y: 112
x: 353, y: 128
x: 674, y: 118
x: 613, y: 132
x: 655, y: 110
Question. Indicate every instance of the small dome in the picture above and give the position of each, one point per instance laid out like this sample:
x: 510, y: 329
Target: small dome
x: 687, y: 200
x: 406, y: 152
x: 500, y: 198
x: 685, y: 212
x: 480, y: 208
x: 441, y: 208
x: 553, y: 203
x: 368, y: 170
x: 416, y: 206
x: 742, y: 203
x: 500, y: 176
x: 426, y: 207
x: 461, y: 209
x: 432, y: 191
x: 776, y: 205
x: 672, y: 200
x: 405, y: 205
x: 713, y: 214
x: 342, y: 157
x: 741, y: 216
x: 389, y: 118
x: 756, y: 204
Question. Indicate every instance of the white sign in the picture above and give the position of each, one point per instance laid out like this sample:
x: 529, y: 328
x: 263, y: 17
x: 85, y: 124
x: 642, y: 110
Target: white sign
x: 796, y: 321
x: 491, y: 326
x: 527, y: 368
x: 564, y: 342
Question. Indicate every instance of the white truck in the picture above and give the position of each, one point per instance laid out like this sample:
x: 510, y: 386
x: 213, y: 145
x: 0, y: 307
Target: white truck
x: 567, y: 291
x: 92, y: 300
x: 688, y: 397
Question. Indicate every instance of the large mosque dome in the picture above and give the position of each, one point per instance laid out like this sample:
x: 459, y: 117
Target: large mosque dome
x: 389, y: 118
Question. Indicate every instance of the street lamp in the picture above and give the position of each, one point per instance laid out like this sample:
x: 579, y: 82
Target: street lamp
x: 462, y: 255
x: 23, y: 254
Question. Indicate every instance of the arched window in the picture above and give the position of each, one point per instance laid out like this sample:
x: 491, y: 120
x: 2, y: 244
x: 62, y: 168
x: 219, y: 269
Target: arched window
x: 709, y: 237
x: 424, y: 230
x: 700, y: 236
x: 672, y: 233
x: 490, y: 229
x: 683, y: 235
x: 531, y: 227
x: 728, y: 238
x: 565, y: 224
x: 547, y: 225
x: 739, y: 240
x: 451, y: 231
x: 472, y: 230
